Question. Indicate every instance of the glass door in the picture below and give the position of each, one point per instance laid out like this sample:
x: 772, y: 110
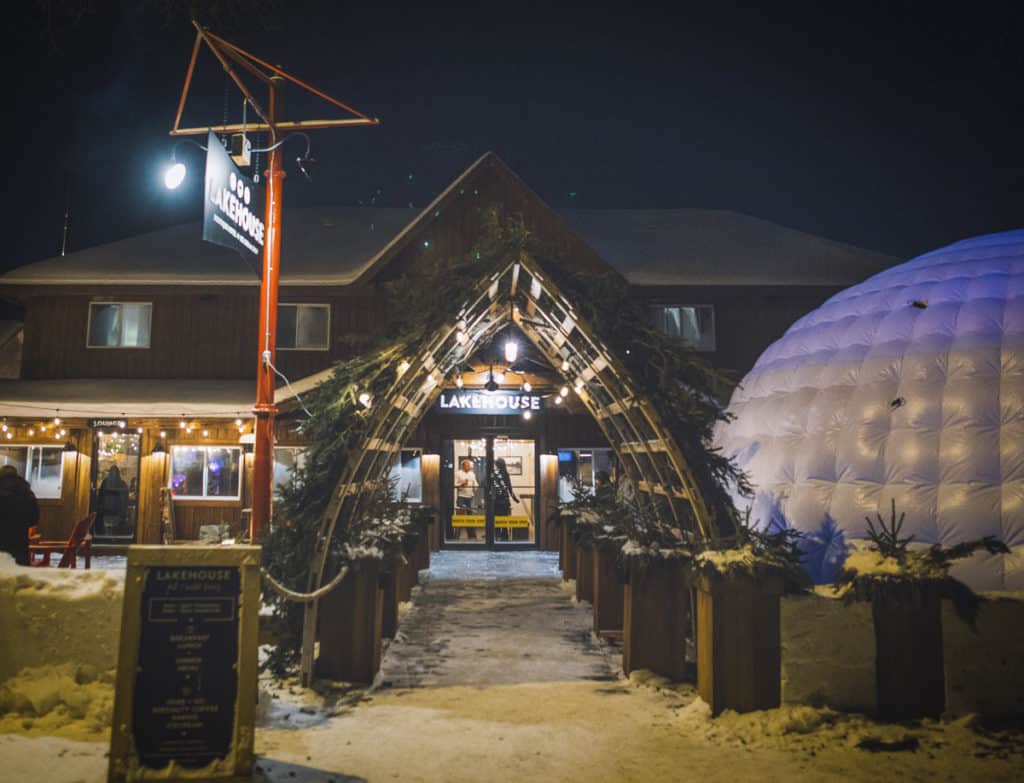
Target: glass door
x: 491, y: 491
x: 115, y: 485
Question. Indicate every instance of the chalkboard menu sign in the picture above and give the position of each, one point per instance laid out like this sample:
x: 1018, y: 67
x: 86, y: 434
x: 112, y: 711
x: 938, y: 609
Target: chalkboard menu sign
x: 186, y: 675
x: 186, y: 684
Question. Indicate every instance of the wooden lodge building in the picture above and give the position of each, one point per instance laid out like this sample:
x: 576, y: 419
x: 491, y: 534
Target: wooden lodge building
x: 133, y: 393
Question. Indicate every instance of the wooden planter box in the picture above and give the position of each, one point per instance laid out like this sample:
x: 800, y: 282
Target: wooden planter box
x: 739, y: 658
x: 351, y: 616
x: 389, y: 602
x: 909, y: 666
x: 567, y: 552
x: 585, y: 573
x: 656, y: 614
x: 423, y: 529
x: 609, y: 592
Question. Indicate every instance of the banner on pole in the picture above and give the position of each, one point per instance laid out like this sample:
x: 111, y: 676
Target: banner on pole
x: 233, y: 205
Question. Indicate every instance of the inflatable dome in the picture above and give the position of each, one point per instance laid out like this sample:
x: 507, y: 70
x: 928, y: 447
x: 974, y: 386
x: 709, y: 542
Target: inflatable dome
x: 906, y: 387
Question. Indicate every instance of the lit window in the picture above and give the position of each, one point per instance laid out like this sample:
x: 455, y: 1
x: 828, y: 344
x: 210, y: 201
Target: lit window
x: 303, y: 327
x: 119, y: 324
x: 286, y: 460
x: 41, y: 466
x: 693, y: 323
x: 206, y: 471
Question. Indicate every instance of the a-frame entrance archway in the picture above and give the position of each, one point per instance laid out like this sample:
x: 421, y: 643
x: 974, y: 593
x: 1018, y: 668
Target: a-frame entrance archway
x: 522, y: 294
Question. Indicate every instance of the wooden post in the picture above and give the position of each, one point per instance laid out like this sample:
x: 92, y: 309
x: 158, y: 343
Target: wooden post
x: 389, y: 602
x: 568, y: 549
x: 609, y: 592
x: 549, y: 538
x: 739, y: 659
x: 350, y: 626
x: 909, y: 666
x: 656, y: 610
x: 430, y: 474
x: 423, y: 531
x: 585, y: 573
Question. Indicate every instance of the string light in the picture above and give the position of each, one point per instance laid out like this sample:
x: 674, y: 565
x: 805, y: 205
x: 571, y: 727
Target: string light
x: 458, y: 380
x: 565, y: 365
x: 403, y: 367
x: 163, y: 433
x: 563, y: 392
x: 527, y: 415
x: 527, y: 387
x: 364, y: 400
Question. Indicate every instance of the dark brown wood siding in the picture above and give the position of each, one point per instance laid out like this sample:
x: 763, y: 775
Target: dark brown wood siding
x: 194, y: 334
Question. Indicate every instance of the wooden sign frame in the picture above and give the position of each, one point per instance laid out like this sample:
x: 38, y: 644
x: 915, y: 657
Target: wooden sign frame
x: 125, y: 764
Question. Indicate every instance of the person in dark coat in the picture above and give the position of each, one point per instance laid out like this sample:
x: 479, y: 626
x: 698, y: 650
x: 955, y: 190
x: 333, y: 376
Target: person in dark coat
x: 18, y: 512
x: 502, y: 489
x: 112, y: 502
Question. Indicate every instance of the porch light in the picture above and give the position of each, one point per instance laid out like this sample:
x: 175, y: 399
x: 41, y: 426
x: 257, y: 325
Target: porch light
x: 174, y: 175
x: 511, y: 351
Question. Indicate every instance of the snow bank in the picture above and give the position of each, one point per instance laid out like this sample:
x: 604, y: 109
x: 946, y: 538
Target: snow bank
x: 73, y: 700
x: 983, y: 669
x: 51, y: 616
x: 828, y: 652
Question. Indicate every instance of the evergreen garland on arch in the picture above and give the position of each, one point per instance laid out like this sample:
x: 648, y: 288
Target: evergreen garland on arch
x: 683, y: 388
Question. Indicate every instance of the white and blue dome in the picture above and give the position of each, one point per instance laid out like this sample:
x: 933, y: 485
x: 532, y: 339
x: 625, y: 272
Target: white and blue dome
x: 908, y: 386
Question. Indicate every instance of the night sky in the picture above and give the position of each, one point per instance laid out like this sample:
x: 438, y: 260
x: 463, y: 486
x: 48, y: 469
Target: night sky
x: 898, y: 128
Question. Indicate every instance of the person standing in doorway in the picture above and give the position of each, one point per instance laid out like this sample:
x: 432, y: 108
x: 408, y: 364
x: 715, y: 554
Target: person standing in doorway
x: 19, y: 511
x: 502, y: 489
x: 466, y: 485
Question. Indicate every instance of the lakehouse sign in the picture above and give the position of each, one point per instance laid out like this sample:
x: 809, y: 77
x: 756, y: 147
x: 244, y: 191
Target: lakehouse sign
x: 233, y: 205
x: 499, y: 403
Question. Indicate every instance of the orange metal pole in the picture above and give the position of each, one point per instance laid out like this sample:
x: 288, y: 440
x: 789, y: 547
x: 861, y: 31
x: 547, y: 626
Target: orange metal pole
x: 265, y: 409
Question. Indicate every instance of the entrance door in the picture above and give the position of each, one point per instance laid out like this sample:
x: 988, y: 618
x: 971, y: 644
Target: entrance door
x: 115, y: 484
x: 492, y: 490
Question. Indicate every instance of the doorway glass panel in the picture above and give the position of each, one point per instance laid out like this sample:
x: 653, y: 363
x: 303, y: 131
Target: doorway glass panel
x: 492, y: 492
x: 115, y: 485
x: 468, y: 521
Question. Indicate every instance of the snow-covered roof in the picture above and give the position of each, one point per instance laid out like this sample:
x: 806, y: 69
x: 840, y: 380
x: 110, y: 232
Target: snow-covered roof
x: 137, y: 397
x: 339, y: 245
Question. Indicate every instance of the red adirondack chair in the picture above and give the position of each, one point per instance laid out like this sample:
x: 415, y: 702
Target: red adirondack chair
x: 78, y: 543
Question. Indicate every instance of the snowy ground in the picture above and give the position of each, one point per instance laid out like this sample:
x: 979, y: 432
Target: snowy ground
x: 498, y: 679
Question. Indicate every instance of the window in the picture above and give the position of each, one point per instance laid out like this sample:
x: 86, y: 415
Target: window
x: 41, y: 466
x: 407, y: 476
x: 286, y: 460
x: 303, y: 327
x: 206, y: 471
x: 583, y: 465
x: 119, y: 324
x: 693, y: 323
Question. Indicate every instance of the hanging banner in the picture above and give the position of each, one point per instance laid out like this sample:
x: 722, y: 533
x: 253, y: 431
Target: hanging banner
x: 233, y: 206
x: 491, y: 403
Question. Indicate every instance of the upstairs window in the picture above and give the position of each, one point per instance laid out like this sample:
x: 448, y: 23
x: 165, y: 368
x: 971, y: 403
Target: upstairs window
x: 119, y: 324
x: 693, y: 323
x: 303, y: 327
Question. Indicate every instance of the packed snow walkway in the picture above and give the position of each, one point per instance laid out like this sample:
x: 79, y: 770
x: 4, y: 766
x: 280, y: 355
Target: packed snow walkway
x: 504, y: 626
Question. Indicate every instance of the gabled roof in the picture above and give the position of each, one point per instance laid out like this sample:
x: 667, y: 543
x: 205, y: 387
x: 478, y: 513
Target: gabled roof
x: 345, y: 245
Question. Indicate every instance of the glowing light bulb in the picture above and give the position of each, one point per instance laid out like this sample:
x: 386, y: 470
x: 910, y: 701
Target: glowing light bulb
x: 63, y: 433
x: 121, y: 424
x: 558, y: 400
x: 563, y: 392
x: 181, y: 424
x: 238, y: 422
x: 206, y: 433
x: 499, y: 376
x: 527, y: 415
x: 31, y: 433
x: 460, y: 337
x: 163, y: 434
x: 10, y: 435
x: 139, y: 430
x: 458, y: 381
x: 3, y: 428
x: 56, y: 421
x: 511, y: 351
x: 364, y: 400
x: 174, y: 175
x: 527, y: 387
x: 565, y: 365
x: 578, y: 387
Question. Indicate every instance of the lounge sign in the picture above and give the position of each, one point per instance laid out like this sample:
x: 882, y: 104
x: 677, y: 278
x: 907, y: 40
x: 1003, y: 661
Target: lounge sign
x: 186, y: 678
x: 499, y: 403
x: 233, y: 206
